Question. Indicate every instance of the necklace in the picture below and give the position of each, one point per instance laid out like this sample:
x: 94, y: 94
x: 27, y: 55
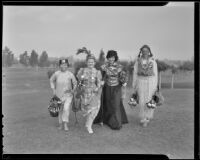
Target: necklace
x: 144, y: 63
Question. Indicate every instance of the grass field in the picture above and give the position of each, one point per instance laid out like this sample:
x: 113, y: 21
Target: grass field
x: 28, y: 127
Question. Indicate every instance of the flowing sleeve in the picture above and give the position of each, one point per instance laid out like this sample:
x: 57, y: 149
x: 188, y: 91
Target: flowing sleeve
x: 99, y: 78
x: 53, y: 80
x: 155, y: 70
x: 135, y: 76
x: 123, y: 77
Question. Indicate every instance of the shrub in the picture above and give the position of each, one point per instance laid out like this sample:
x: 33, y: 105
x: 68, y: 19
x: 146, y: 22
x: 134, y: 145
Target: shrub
x: 50, y: 72
x: 187, y: 66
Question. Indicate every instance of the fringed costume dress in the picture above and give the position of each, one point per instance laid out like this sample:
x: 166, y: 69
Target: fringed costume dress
x: 145, y: 79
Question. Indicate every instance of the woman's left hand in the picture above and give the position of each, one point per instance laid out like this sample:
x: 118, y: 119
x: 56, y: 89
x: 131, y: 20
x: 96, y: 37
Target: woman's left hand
x: 69, y: 91
x: 96, y: 89
x: 102, y: 83
x: 124, y: 85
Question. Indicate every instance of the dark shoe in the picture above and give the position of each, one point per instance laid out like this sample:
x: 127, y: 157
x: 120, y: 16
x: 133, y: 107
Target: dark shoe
x: 116, y: 128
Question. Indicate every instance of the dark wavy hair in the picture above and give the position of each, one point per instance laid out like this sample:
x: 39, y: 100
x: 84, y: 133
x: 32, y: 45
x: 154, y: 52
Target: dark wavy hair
x: 112, y: 53
x: 145, y: 46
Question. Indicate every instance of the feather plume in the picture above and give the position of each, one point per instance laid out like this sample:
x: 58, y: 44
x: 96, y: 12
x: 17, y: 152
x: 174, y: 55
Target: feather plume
x: 83, y: 50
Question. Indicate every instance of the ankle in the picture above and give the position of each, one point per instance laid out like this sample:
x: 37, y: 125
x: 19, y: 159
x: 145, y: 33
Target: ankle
x: 89, y: 129
x: 60, y: 126
x: 66, y: 126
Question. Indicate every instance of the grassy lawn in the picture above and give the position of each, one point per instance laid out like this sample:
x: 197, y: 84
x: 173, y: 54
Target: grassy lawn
x: 28, y: 127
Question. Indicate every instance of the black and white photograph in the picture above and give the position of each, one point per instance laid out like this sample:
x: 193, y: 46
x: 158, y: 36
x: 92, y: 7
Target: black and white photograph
x: 98, y: 79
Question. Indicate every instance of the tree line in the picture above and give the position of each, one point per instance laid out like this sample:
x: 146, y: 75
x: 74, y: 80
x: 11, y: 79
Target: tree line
x: 33, y: 59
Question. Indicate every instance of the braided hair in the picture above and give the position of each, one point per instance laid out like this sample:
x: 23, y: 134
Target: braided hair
x: 145, y: 46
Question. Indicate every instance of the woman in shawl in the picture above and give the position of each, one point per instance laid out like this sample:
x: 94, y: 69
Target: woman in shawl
x: 145, y: 79
x: 112, y: 111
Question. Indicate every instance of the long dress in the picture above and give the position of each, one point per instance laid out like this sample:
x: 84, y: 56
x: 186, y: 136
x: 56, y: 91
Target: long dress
x: 112, y: 111
x: 62, y: 82
x: 90, y: 80
x: 145, y: 80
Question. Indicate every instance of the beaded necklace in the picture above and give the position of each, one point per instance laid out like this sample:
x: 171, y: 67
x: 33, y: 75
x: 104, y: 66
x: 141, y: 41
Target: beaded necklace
x: 145, y: 69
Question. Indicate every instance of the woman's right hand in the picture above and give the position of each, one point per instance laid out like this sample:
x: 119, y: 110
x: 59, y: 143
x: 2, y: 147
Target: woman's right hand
x: 134, y: 91
x: 102, y: 83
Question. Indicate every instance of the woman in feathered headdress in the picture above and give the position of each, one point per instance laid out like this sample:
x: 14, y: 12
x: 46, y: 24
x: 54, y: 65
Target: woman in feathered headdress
x: 90, y: 80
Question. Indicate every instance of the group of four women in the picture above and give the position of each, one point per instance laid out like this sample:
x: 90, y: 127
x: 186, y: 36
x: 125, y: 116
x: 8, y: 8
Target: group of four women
x: 101, y: 99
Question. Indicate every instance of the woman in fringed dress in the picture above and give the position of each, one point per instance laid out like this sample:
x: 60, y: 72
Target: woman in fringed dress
x: 145, y: 81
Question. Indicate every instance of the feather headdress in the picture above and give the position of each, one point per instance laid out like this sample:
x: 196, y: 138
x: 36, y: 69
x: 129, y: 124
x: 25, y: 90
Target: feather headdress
x: 86, y: 51
x: 83, y: 50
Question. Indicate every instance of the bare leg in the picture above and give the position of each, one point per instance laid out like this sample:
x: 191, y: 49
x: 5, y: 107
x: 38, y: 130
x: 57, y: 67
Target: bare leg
x: 89, y: 121
x: 65, y: 126
x: 66, y: 112
x: 60, y: 120
x: 145, y: 123
x: 90, y: 118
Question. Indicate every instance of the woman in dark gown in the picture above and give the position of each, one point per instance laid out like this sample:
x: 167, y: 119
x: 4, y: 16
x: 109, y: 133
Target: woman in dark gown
x: 112, y: 111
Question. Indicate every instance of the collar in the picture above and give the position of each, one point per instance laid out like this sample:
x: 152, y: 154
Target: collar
x: 115, y: 64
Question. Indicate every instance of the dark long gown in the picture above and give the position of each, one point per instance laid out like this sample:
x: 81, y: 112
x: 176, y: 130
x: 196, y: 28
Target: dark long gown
x: 112, y: 110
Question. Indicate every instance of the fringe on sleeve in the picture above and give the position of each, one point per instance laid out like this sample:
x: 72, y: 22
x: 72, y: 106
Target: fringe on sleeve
x: 155, y: 70
x: 99, y: 78
x: 135, y: 76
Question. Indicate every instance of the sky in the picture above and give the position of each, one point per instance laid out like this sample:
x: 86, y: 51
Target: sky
x: 61, y: 30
